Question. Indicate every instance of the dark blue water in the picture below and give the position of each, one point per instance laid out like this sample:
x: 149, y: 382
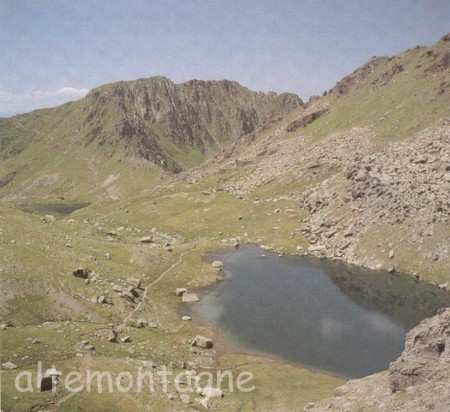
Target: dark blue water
x: 329, y: 316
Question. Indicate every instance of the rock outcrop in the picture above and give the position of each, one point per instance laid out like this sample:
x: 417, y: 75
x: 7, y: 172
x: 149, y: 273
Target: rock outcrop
x: 161, y: 121
x: 426, y: 356
x: 416, y: 381
x: 306, y: 119
x: 406, y: 184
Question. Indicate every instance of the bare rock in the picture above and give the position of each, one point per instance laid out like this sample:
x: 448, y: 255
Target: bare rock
x: 189, y: 297
x: 112, y: 336
x: 350, y: 230
x: 141, y: 323
x: 211, y: 392
x: 134, y: 282
x: 9, y: 366
x: 117, y: 288
x: 180, y: 291
x: 6, y: 325
x: 185, y: 398
x: 202, y: 342
x: 306, y: 119
x: 426, y: 354
x: 217, y: 264
x: 82, y: 273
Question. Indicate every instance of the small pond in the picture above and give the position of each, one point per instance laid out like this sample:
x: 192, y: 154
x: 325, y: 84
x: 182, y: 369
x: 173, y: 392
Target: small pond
x: 60, y: 209
x: 329, y: 316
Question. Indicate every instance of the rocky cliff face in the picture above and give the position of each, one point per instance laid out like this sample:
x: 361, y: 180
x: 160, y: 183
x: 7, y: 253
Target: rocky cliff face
x: 426, y: 356
x: 159, y: 120
x: 416, y: 381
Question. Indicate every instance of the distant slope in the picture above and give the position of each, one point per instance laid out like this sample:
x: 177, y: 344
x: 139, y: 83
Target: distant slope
x: 394, y: 96
x: 154, y: 120
x: 178, y: 125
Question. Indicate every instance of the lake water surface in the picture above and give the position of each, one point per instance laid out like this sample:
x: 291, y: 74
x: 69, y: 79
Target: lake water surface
x: 329, y: 316
x: 61, y: 209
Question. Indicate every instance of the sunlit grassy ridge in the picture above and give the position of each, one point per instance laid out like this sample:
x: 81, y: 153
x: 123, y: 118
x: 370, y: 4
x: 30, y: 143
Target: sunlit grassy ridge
x: 394, y: 104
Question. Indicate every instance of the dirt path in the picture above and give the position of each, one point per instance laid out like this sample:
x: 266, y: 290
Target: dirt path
x: 87, y: 361
x: 150, y: 285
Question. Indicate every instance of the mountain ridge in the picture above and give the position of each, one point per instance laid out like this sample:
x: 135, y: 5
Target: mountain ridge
x: 203, y: 115
x: 169, y: 126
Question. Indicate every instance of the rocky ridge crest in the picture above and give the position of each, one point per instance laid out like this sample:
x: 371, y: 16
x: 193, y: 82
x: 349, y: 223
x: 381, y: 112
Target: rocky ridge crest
x: 157, y: 119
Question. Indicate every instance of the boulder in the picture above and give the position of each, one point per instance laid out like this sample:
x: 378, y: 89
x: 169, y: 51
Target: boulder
x: 426, y: 355
x: 117, y: 288
x: 141, y: 323
x: 185, y: 398
x: 203, y: 402
x: 102, y: 299
x: 147, y: 239
x: 317, y: 248
x: 9, y: 366
x: 189, y: 297
x: 128, y: 295
x: 133, y: 291
x: 202, y: 342
x: 112, y: 336
x: 82, y: 273
x: 217, y: 264
x: 211, y: 392
x: 6, y: 325
x: 350, y: 230
x: 180, y: 291
x: 134, y: 282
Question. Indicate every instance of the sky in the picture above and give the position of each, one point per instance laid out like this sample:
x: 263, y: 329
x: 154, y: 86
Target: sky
x: 56, y: 51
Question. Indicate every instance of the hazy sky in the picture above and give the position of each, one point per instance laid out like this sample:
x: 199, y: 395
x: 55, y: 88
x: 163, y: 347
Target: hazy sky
x: 54, y: 51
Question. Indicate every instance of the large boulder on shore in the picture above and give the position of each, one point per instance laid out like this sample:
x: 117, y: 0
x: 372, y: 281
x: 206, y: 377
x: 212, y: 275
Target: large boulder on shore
x: 189, y: 297
x: 202, y: 342
x: 217, y: 264
x: 180, y: 291
x: 426, y: 354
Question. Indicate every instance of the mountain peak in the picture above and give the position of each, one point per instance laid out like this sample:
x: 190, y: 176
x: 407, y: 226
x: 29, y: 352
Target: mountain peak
x: 171, y: 125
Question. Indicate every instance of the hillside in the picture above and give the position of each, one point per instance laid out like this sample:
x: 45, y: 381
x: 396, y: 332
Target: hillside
x: 146, y: 124
x: 164, y: 173
x: 366, y: 162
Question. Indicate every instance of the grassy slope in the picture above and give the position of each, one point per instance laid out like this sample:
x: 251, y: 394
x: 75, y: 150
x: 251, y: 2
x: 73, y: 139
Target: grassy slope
x: 34, y: 248
x: 406, y: 104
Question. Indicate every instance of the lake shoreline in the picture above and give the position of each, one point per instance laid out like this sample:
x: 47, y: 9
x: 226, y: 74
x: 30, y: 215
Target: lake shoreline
x: 231, y: 345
